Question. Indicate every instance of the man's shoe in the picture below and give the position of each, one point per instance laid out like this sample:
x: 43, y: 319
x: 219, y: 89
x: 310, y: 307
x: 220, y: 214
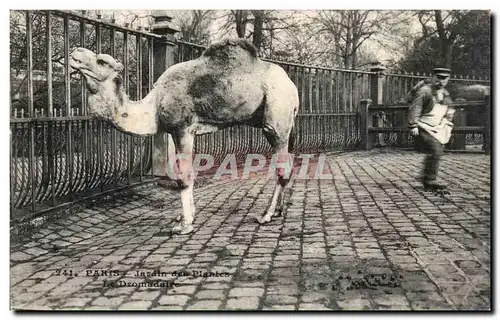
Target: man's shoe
x: 434, y: 185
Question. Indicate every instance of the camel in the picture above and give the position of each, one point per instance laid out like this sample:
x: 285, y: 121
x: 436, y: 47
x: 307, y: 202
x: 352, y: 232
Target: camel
x: 227, y: 85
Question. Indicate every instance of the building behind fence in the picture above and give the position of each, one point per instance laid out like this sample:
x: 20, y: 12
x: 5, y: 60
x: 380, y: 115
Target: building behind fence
x: 59, y: 153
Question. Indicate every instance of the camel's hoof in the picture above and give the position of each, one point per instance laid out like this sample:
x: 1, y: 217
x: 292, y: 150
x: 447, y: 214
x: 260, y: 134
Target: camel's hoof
x: 178, y: 218
x: 278, y: 212
x: 442, y: 193
x: 263, y: 220
x: 183, y: 229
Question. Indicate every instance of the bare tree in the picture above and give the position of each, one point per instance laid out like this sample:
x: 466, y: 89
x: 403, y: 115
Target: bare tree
x: 349, y: 29
x: 261, y: 26
x: 194, y: 25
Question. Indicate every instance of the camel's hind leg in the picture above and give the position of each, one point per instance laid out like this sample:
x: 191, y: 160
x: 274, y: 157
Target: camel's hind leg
x: 283, y: 162
x: 184, y: 143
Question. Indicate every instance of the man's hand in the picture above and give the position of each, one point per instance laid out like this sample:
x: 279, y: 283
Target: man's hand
x: 414, y: 132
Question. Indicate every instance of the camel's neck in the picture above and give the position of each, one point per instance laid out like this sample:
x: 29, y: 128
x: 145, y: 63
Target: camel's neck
x: 136, y: 117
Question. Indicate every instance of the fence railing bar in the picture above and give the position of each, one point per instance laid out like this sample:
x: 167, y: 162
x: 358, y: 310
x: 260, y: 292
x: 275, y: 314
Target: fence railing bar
x: 472, y: 129
x: 150, y: 86
x: 53, y: 162
x: 84, y: 89
x: 77, y: 16
x: 302, y: 89
x: 126, y: 84
x: 456, y: 104
x: 342, y: 114
x: 87, y: 161
x: 310, y: 89
x: 13, y: 170
x: 138, y: 64
x: 29, y: 66
x: 319, y: 68
x: 319, y: 76
x: 67, y: 79
x: 48, y: 119
x: 100, y: 126
x: 48, y: 44
x: 114, y: 169
x: 422, y: 77
x: 29, y: 62
x: 67, y: 92
x: 141, y: 140
x: 185, y: 43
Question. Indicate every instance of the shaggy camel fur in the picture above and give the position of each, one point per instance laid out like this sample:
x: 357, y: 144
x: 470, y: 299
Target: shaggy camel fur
x: 227, y: 85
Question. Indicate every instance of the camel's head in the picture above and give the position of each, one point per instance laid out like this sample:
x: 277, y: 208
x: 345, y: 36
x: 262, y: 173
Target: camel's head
x: 96, y: 68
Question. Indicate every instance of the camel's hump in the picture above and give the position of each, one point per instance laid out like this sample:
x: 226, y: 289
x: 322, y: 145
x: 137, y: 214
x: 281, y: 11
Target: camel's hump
x: 231, y: 48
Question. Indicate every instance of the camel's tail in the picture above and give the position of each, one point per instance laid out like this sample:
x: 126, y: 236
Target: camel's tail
x: 291, y: 140
x: 293, y: 133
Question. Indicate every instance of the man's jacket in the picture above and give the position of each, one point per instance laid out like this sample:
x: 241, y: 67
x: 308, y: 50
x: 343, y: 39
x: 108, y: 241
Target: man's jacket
x: 429, y: 111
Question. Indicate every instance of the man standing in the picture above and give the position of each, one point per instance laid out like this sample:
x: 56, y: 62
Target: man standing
x: 430, y: 122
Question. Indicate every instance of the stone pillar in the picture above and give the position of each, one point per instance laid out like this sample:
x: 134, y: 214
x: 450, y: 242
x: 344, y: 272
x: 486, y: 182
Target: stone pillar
x: 459, y: 120
x: 366, y: 122
x: 377, y: 82
x: 164, y: 57
x: 487, y: 125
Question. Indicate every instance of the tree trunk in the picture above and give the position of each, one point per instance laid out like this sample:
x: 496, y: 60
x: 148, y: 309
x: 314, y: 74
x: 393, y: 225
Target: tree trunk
x: 447, y: 54
x: 354, y: 52
x: 257, y: 28
x: 348, y: 41
x: 446, y: 43
x: 240, y: 16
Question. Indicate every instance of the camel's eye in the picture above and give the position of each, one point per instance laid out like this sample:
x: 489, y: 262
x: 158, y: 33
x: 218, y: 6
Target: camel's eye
x: 101, y: 62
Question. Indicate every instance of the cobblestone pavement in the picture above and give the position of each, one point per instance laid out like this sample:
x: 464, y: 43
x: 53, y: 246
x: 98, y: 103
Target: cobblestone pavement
x: 369, y: 239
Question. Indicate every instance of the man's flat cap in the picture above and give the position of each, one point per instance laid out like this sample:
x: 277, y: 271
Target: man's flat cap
x: 441, y: 71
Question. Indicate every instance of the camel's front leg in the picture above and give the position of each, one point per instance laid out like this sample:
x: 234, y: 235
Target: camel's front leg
x: 184, y: 146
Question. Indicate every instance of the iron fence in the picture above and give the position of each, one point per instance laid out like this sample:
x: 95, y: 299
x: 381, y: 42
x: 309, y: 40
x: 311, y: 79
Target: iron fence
x: 397, y: 85
x: 390, y: 131
x: 58, y: 152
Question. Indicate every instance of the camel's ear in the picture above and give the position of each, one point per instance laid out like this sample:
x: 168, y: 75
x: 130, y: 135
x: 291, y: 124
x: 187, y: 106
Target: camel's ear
x: 119, y: 67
